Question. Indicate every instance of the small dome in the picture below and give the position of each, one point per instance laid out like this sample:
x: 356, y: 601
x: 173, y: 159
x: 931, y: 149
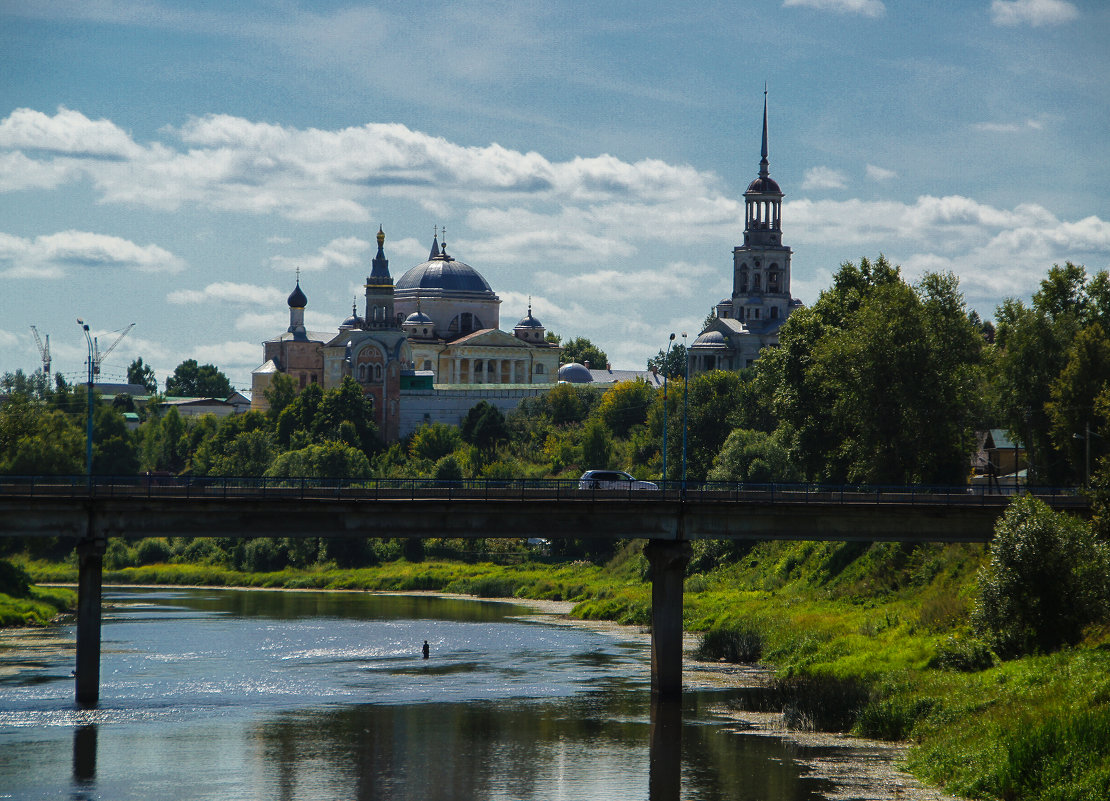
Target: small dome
x: 354, y: 321
x: 763, y: 186
x: 297, y: 299
x: 418, y: 318
x: 575, y: 373
x: 529, y: 322
x: 710, y: 339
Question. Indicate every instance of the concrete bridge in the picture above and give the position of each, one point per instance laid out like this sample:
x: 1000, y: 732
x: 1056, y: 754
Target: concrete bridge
x: 669, y: 518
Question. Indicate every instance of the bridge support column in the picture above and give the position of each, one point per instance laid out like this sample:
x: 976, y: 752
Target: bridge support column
x: 90, y: 561
x: 668, y: 560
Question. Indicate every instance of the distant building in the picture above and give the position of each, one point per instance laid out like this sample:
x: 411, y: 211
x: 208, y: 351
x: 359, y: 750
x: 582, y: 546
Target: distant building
x: 431, y: 341
x: 751, y: 317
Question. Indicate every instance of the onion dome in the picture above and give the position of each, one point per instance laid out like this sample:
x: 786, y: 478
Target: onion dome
x: 529, y: 321
x: 575, y: 373
x: 297, y: 299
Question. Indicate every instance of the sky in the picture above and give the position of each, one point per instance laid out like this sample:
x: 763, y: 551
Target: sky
x: 174, y: 164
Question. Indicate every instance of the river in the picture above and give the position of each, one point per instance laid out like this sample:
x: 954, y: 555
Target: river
x: 238, y: 694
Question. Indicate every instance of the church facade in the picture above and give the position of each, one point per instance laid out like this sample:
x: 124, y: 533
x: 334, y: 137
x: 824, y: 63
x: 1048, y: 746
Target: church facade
x: 750, y: 318
x: 438, y: 325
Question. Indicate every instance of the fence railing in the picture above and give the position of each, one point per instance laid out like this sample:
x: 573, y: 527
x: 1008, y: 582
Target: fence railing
x: 416, y: 489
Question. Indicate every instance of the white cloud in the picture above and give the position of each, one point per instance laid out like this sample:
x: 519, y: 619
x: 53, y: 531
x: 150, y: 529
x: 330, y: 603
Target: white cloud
x: 1032, y: 12
x: 880, y: 173
x: 225, y: 163
x: 866, y: 8
x: 48, y: 256
x: 228, y: 292
x: 343, y: 253
x: 1036, y: 124
x: 823, y: 178
x: 674, y: 280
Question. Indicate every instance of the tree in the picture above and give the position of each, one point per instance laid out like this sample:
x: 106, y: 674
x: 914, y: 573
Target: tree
x: 879, y: 380
x: 280, y: 393
x: 139, y: 373
x: 190, y: 380
x: 484, y: 427
x: 756, y: 457
x: 433, y: 441
x: 597, y: 446
x: 1085, y: 376
x: 346, y: 409
x: 671, y: 364
x: 1048, y: 577
x: 624, y: 405
x: 581, y: 350
x: 38, y: 440
x: 329, y: 460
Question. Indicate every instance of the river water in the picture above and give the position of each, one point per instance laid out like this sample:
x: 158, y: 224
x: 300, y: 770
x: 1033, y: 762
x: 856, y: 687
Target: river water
x: 229, y: 694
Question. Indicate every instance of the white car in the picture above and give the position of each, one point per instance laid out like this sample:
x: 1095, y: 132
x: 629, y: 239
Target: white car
x: 613, y: 480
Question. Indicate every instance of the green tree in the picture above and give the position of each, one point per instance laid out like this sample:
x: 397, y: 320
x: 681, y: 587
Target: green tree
x: 597, y: 445
x: 299, y: 415
x: 1085, y: 376
x: 581, y: 350
x: 190, y: 380
x: 329, y: 460
x: 250, y: 453
x: 342, y: 407
x: 755, y: 457
x: 38, y: 440
x: 484, y: 427
x: 115, y: 451
x: 139, y: 373
x: 671, y: 364
x: 433, y: 441
x: 1048, y: 577
x: 879, y: 380
x: 624, y: 405
x: 281, y: 392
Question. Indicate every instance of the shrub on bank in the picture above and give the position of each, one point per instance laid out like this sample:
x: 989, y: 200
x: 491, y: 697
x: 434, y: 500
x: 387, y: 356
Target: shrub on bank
x: 730, y: 644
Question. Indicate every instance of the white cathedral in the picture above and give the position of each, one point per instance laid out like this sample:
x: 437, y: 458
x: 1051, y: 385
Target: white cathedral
x: 751, y: 317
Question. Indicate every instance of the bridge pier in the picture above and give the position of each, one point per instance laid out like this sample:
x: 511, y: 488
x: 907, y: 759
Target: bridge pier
x: 90, y: 569
x: 668, y: 560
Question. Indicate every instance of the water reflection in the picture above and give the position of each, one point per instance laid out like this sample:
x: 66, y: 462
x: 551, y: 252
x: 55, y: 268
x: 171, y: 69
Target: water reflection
x: 84, y: 760
x: 665, y: 776
x: 603, y: 746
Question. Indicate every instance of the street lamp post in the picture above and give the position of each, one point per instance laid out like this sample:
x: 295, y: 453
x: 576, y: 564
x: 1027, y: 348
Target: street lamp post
x: 685, y: 404
x: 665, y: 410
x: 89, y: 422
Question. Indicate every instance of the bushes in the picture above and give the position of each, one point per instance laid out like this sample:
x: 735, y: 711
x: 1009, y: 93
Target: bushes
x: 1046, y: 580
x: 730, y: 644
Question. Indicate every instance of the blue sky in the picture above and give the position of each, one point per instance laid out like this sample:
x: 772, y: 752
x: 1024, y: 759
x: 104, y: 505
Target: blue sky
x: 173, y: 164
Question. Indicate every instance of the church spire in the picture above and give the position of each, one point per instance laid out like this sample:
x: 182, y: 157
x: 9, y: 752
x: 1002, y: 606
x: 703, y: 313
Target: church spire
x: 763, y: 164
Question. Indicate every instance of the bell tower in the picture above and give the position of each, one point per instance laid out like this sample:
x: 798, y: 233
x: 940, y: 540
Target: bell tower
x: 379, y: 292
x: 761, y: 266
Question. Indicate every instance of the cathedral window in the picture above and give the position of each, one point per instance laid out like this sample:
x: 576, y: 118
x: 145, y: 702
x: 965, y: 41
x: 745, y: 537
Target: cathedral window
x: 377, y: 372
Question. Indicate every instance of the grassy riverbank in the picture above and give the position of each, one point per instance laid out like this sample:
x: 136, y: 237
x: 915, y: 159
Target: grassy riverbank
x: 874, y: 639
x: 22, y: 604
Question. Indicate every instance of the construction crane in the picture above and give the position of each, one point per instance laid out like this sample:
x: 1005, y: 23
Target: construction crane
x: 99, y: 356
x: 44, y: 350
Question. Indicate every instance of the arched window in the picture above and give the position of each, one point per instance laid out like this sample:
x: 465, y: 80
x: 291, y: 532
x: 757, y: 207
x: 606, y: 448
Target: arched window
x: 362, y: 373
x: 377, y: 372
x: 755, y: 282
x: 539, y: 369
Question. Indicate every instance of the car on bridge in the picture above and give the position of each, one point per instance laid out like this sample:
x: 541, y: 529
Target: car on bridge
x: 613, y: 480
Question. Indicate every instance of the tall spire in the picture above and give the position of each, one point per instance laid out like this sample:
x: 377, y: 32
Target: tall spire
x: 435, y: 243
x: 763, y: 171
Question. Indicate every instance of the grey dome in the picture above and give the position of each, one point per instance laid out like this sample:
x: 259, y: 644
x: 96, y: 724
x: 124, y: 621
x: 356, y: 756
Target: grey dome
x: 575, y: 373
x: 354, y: 321
x: 529, y: 322
x: 710, y: 339
x: 418, y: 318
x: 446, y: 274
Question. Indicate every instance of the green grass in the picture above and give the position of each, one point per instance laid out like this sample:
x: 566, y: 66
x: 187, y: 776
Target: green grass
x: 42, y: 607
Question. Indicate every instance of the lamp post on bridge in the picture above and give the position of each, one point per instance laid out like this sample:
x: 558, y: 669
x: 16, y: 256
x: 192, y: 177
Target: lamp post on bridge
x: 89, y: 422
x: 665, y: 411
x: 685, y: 404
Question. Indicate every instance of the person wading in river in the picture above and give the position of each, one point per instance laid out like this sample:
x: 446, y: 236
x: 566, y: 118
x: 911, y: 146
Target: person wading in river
x: 425, y: 649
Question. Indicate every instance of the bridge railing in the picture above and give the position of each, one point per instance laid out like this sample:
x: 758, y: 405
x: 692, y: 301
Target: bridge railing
x: 415, y: 489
